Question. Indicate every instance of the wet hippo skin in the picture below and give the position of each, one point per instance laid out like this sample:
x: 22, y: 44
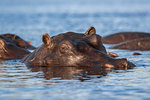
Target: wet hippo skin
x: 142, y: 44
x: 13, y: 38
x: 124, y: 36
x: 74, y: 49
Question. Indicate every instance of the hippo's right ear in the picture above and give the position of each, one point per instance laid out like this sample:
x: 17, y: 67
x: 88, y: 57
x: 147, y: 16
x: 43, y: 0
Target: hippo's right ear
x: 46, y: 39
x: 90, y: 31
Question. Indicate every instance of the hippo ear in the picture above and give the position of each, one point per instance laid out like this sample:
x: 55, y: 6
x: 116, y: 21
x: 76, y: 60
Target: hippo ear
x: 90, y: 31
x: 46, y: 39
x: 2, y: 43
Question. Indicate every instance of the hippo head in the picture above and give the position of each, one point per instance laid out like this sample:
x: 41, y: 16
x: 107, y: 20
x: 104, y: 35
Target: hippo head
x: 11, y: 51
x: 72, y: 49
x: 13, y: 38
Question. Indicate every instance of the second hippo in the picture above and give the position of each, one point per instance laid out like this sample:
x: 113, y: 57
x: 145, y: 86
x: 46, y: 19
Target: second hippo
x: 9, y: 51
x: 13, y: 38
x: 123, y: 37
x: 142, y: 44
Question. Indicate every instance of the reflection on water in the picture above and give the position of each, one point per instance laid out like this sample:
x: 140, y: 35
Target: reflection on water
x: 70, y: 72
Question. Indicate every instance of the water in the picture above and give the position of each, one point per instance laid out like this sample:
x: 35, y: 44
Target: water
x: 30, y: 19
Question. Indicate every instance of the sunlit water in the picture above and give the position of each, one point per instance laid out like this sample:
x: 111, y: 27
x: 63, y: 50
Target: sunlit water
x: 31, y: 18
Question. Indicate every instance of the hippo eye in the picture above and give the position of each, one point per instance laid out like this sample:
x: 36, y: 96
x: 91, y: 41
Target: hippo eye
x: 64, y: 48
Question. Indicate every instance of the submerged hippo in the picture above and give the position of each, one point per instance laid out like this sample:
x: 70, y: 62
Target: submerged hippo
x: 142, y: 44
x: 13, y: 38
x: 10, y: 51
x: 123, y: 36
x: 74, y: 49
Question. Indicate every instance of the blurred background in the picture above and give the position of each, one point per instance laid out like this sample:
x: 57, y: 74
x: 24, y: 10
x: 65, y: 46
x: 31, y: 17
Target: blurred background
x: 31, y: 18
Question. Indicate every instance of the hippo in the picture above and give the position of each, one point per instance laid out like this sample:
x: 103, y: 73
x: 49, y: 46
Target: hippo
x: 124, y: 36
x: 9, y: 51
x: 142, y: 44
x: 13, y: 38
x: 72, y: 49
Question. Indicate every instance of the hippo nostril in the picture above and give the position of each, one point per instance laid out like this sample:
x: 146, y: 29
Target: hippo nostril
x: 109, y: 65
x: 125, y: 66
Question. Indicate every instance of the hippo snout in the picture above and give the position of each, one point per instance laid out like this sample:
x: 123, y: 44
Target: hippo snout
x: 123, y: 64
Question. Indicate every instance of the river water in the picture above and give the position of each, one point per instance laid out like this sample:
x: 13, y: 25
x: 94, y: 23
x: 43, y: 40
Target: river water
x: 31, y: 18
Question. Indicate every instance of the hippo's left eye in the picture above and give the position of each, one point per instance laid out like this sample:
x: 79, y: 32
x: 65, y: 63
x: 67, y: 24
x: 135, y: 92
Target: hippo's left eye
x: 64, y: 48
